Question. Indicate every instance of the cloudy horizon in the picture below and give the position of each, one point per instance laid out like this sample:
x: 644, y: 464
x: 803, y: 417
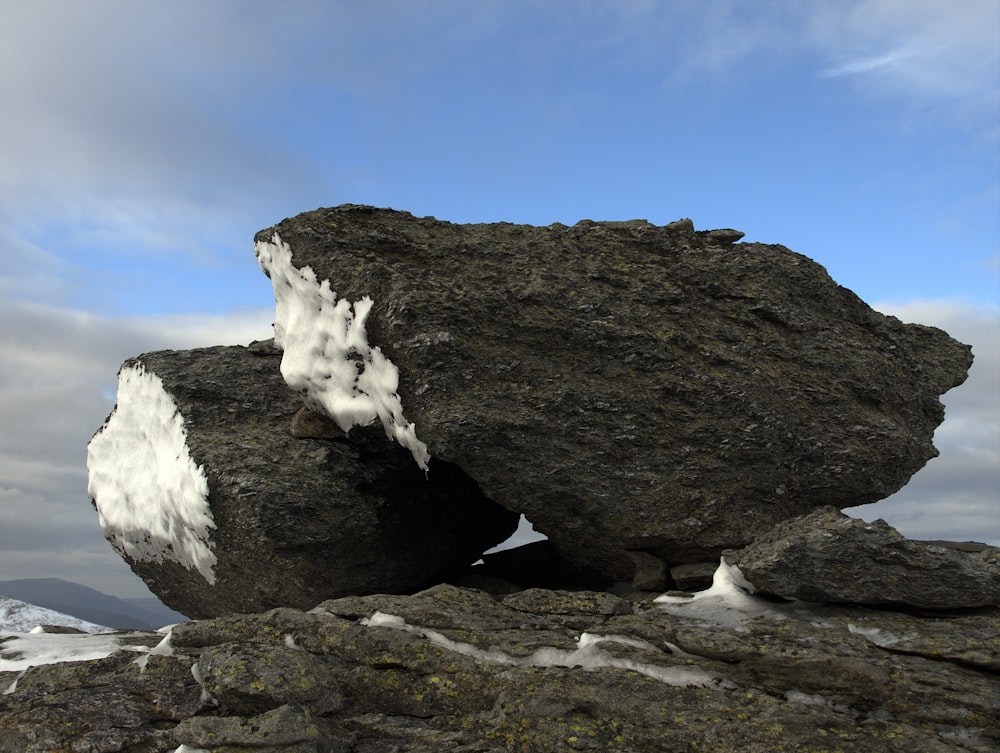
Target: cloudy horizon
x: 143, y: 145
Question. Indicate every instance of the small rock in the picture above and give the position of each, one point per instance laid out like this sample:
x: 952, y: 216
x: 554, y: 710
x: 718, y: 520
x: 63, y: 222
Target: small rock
x: 650, y: 572
x: 829, y: 557
x: 694, y: 576
x: 724, y: 235
x: 685, y: 226
x: 285, y: 725
x: 309, y: 424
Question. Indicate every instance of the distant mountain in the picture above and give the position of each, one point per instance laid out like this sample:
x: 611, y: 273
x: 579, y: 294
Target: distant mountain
x: 90, y: 605
x: 21, y: 617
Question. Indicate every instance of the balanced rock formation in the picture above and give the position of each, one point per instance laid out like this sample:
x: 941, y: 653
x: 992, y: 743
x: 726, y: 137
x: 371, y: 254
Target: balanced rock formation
x: 627, y: 387
x: 224, y: 498
x: 828, y: 557
x: 455, y: 669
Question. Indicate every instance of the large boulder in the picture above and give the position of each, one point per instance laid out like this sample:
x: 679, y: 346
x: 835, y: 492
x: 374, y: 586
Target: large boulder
x: 223, y: 497
x: 454, y: 669
x: 627, y: 387
x: 827, y: 556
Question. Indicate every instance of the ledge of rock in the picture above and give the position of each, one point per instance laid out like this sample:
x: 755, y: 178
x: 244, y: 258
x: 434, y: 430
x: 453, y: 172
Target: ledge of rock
x: 627, y: 387
x: 829, y: 557
x: 456, y: 669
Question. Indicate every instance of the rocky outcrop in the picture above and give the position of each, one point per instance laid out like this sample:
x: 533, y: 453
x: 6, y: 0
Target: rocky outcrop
x: 456, y: 669
x: 827, y: 556
x: 648, y: 397
x: 628, y: 387
x: 293, y: 512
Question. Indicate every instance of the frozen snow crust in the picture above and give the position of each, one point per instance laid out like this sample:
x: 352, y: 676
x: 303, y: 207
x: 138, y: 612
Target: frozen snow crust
x: 327, y: 356
x: 151, y: 497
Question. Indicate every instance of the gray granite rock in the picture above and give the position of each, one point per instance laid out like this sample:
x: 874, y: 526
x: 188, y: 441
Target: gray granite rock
x: 456, y: 669
x: 829, y: 557
x: 630, y: 387
x: 299, y: 519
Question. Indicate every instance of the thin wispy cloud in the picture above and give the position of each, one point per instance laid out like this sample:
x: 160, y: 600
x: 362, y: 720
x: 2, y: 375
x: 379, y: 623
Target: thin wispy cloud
x: 868, y: 64
x: 921, y: 50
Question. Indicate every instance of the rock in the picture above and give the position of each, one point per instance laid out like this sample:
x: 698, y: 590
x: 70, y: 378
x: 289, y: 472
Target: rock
x: 279, y: 520
x: 249, y: 679
x: 829, y: 557
x: 685, y: 226
x: 650, y: 572
x: 311, y: 425
x: 626, y: 387
x: 278, y: 729
x: 724, y: 235
x: 539, y: 565
x: 455, y: 669
x: 693, y: 576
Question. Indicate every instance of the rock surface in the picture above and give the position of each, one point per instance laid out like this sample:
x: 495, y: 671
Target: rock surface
x: 634, y: 388
x: 302, y: 518
x: 827, y: 556
x: 455, y: 669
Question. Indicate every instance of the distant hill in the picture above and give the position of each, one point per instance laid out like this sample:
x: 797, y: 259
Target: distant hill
x: 20, y: 617
x: 89, y: 604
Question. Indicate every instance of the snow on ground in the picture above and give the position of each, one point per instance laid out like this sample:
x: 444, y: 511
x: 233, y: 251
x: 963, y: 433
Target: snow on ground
x: 25, y: 643
x: 327, y: 356
x: 151, y: 498
x: 729, y: 602
x: 22, y: 617
x: 18, y: 651
x: 587, y: 655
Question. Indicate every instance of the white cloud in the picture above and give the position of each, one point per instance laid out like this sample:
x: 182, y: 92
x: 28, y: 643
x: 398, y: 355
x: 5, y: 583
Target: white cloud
x: 114, y: 140
x: 920, y: 51
x: 866, y: 65
x: 955, y: 496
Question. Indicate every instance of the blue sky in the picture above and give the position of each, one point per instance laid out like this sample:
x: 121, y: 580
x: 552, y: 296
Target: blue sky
x: 143, y: 144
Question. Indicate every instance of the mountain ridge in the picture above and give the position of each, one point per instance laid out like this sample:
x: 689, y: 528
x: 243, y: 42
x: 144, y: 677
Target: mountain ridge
x: 89, y: 604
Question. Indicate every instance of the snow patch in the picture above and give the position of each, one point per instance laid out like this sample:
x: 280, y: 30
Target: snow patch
x: 729, y: 603
x: 206, y: 696
x: 807, y: 699
x: 18, y: 651
x: 587, y: 655
x: 881, y: 638
x: 151, y: 498
x: 327, y: 357
x: 163, y: 648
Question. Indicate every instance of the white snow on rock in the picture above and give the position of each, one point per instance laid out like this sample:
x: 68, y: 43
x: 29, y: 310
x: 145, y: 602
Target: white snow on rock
x: 151, y: 498
x: 18, y: 651
x: 588, y: 654
x: 327, y: 357
x: 881, y: 638
x: 730, y: 603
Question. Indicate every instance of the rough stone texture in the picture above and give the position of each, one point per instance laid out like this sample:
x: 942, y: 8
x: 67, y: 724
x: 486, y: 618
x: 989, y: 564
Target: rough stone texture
x: 693, y: 576
x: 299, y: 520
x: 799, y: 679
x: 829, y: 557
x: 634, y: 387
x: 284, y: 728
